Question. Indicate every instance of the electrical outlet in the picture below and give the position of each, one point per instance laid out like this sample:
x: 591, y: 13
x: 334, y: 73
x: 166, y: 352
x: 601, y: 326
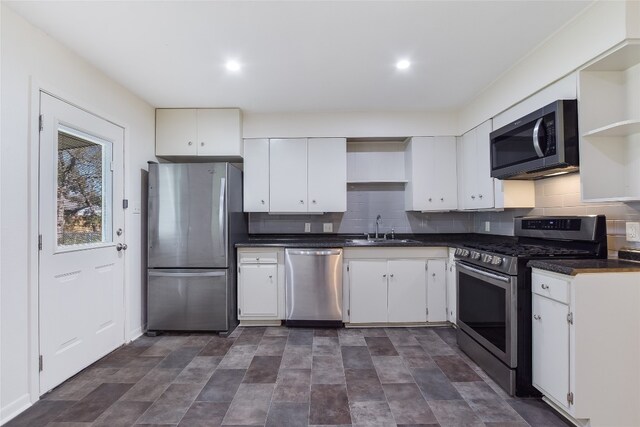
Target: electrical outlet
x: 633, y: 231
x: 327, y: 227
x: 487, y: 226
x: 307, y: 227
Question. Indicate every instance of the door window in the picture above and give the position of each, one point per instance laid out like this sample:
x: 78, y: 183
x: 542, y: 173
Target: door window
x: 84, y: 194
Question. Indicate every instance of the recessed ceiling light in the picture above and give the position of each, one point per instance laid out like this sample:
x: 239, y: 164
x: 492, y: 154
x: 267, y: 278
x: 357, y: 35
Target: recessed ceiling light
x: 232, y: 65
x: 403, y: 64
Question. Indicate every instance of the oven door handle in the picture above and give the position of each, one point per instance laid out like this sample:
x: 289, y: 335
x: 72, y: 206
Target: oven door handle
x: 485, y: 273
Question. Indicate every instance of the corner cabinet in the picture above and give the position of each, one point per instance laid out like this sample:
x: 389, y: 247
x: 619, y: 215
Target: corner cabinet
x: 260, y: 285
x: 609, y: 122
x: 184, y: 132
x: 475, y: 185
x: 477, y: 190
x: 430, y: 165
x: 586, y: 345
x: 295, y: 175
x: 387, y: 286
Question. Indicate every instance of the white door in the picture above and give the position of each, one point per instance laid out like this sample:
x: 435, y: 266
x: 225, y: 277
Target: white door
x: 256, y: 175
x: 258, y: 288
x: 327, y: 174
x: 368, y: 291
x: 550, y: 347
x: 407, y: 291
x: 288, y: 175
x: 437, y: 290
x: 81, y: 220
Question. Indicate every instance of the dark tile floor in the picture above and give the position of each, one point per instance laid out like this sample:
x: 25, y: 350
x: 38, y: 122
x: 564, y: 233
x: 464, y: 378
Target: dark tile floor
x: 287, y: 377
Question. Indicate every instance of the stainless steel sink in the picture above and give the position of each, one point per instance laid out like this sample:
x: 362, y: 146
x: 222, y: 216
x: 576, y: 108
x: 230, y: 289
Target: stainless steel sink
x: 374, y: 241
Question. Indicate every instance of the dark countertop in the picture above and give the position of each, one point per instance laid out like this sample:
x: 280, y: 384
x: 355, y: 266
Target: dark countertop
x: 342, y: 240
x: 573, y: 267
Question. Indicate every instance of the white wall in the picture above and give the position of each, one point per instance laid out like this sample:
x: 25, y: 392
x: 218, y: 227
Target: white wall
x: 597, y: 29
x: 348, y: 124
x: 27, y: 52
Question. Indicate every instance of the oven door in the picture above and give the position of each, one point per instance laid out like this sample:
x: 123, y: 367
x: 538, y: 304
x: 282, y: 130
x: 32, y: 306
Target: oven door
x: 487, y: 310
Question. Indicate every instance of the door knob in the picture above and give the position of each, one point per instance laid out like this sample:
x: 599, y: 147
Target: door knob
x: 121, y: 247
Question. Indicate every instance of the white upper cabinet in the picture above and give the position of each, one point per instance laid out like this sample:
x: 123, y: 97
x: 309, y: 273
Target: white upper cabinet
x: 430, y: 164
x: 475, y: 185
x: 477, y: 190
x: 327, y: 174
x: 295, y: 175
x: 176, y: 132
x: 256, y: 175
x: 198, y: 132
x: 288, y: 175
x: 609, y: 124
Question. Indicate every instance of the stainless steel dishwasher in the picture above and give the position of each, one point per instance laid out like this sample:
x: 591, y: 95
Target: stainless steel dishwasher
x: 313, y: 287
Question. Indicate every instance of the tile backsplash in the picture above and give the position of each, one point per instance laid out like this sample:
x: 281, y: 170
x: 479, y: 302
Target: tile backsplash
x: 554, y: 196
x: 364, y: 203
x: 561, y: 196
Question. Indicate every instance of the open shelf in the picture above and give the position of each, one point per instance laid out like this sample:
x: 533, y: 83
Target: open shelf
x: 623, y: 128
x: 609, y: 110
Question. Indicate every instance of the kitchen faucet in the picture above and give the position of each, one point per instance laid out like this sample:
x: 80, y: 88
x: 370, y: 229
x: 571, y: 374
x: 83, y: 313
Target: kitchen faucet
x: 378, y: 225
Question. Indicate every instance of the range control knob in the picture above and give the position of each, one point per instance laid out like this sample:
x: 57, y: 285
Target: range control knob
x: 475, y: 255
x: 464, y: 252
x: 487, y: 258
x: 458, y: 252
x: 496, y: 260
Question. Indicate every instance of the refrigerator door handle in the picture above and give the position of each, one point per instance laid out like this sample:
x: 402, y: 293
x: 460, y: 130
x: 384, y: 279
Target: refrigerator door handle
x: 221, y: 209
x: 183, y: 274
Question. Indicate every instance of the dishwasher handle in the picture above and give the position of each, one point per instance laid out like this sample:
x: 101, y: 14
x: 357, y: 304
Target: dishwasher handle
x: 314, y: 252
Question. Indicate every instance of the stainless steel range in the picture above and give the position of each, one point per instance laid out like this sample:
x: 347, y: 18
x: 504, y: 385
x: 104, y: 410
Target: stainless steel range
x: 494, y: 291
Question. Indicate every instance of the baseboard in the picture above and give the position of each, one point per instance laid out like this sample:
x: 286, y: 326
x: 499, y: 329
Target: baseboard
x: 135, y: 334
x: 260, y: 323
x: 14, y: 408
x: 398, y: 325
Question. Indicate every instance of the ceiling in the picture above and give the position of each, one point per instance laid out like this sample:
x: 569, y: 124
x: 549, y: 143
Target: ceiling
x: 303, y: 56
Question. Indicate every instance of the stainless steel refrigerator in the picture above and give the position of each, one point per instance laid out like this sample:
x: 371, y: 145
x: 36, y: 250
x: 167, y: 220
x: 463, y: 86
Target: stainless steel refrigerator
x: 195, y: 219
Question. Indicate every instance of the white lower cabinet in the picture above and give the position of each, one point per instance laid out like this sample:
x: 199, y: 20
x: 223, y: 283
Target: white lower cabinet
x: 385, y: 291
x: 395, y: 285
x: 368, y: 296
x: 260, y: 285
x: 586, y: 345
x: 436, y: 290
x: 452, y: 289
x: 406, y: 293
x: 550, y: 330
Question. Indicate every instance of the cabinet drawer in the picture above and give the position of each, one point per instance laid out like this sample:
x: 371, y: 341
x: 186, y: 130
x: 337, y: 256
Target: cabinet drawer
x: 258, y: 258
x: 550, y: 287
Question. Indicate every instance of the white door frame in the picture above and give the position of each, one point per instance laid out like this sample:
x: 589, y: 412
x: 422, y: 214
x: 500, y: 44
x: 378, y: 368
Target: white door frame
x: 34, y: 207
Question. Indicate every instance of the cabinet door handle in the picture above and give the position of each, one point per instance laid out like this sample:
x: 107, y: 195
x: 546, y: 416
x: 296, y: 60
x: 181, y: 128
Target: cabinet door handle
x: 262, y: 201
x: 202, y: 144
x: 429, y: 198
x: 473, y: 197
x: 189, y: 143
x: 537, y: 317
x: 384, y: 275
x: 391, y: 275
x: 480, y: 195
x: 545, y: 286
x: 313, y: 201
x: 302, y: 202
x: 442, y: 199
x: 433, y: 274
x: 270, y: 277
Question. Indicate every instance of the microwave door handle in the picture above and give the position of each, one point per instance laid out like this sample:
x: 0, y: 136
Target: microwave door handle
x: 536, y: 138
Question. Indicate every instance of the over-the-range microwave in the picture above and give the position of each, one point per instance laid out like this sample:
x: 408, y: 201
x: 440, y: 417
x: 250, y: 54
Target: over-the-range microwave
x: 540, y: 144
